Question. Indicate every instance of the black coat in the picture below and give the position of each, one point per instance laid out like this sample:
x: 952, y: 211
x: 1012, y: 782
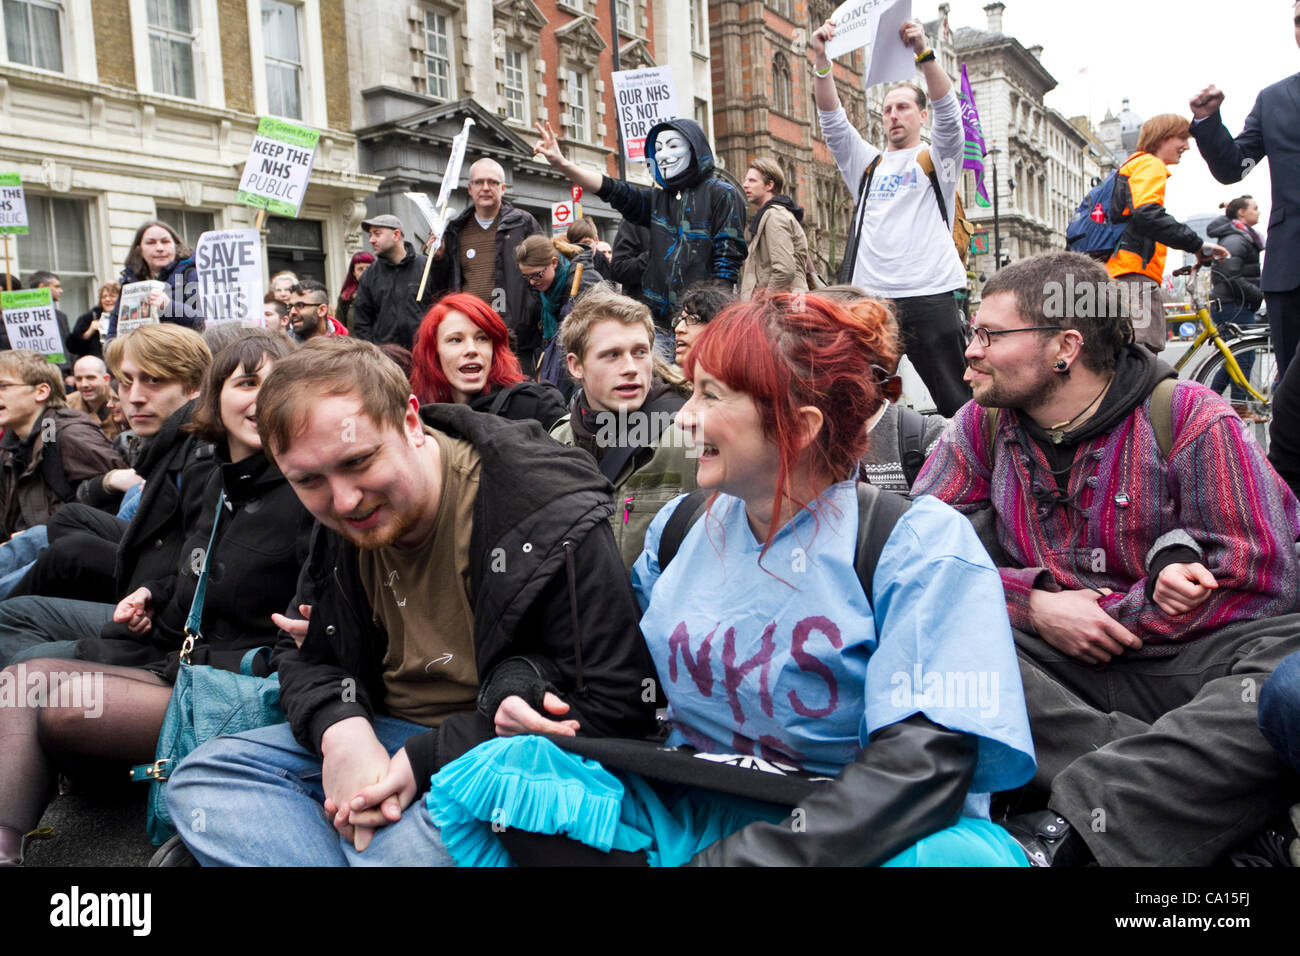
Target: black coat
x: 1236, y: 279
x: 78, y: 347
x: 175, y: 467
x: 182, y: 279
x: 530, y: 556
x: 384, y: 308
x: 259, y: 550
x: 523, y: 401
x: 1272, y: 129
x: 522, y: 307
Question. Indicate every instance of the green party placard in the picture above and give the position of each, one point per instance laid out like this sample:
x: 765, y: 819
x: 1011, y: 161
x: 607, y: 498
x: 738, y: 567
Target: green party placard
x: 279, y: 166
x: 31, y: 324
x: 13, y: 205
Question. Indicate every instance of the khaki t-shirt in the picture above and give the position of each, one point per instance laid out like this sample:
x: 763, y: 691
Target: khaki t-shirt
x: 421, y: 598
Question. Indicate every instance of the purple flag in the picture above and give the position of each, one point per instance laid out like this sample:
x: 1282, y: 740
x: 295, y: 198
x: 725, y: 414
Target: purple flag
x: 973, y: 158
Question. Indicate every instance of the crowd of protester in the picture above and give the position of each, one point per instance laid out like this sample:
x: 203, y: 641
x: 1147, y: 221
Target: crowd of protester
x: 521, y: 547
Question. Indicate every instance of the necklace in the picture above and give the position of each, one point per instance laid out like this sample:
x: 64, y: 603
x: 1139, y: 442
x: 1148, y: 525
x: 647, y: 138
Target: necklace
x: 1058, y: 432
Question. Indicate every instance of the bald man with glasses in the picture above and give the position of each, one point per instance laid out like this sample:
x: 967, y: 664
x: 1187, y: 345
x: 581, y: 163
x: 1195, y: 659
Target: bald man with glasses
x: 477, y: 256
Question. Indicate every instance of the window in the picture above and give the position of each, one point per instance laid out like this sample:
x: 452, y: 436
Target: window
x: 59, y: 242
x: 702, y: 113
x: 623, y: 9
x: 33, y: 34
x: 171, y: 46
x: 516, y: 73
x: 190, y: 223
x: 781, y: 94
x: 697, y: 24
x: 283, y: 51
x: 579, y: 123
x: 437, y: 54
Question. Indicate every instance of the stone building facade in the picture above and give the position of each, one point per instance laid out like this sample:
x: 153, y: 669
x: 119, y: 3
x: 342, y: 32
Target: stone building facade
x: 119, y: 111
x: 421, y: 68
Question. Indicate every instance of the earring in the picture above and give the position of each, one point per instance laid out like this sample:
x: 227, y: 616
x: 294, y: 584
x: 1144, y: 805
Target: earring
x: 1062, y: 366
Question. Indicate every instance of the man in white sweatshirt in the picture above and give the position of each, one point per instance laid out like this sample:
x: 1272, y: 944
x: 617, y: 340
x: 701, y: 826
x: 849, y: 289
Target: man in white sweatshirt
x: 900, y: 245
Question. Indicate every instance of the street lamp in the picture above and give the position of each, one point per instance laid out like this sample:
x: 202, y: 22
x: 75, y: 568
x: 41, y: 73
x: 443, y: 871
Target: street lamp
x: 997, y: 222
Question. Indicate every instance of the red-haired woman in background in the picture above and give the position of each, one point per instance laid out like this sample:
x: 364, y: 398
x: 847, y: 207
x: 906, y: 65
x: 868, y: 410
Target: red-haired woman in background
x: 462, y: 354
x: 767, y: 644
x: 359, y: 264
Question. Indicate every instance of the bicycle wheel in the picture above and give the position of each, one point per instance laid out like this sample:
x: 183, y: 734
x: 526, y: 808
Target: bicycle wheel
x: 1254, y: 354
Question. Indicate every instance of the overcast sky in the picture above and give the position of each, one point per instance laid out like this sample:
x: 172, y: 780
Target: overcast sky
x: 1241, y: 46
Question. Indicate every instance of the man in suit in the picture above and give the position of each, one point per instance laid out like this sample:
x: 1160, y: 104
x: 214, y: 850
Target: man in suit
x: 1272, y: 129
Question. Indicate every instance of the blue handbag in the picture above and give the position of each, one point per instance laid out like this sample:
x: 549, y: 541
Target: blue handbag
x: 206, y: 702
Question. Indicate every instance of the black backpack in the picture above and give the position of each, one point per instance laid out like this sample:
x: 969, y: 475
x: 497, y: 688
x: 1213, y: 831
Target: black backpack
x: 878, y: 512
x: 911, y: 443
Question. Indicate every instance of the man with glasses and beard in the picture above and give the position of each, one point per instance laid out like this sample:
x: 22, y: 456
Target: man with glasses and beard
x: 1147, y: 554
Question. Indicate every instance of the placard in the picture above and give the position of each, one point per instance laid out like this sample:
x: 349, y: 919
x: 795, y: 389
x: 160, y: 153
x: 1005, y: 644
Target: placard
x: 229, y: 266
x: 134, y: 308
x: 13, y: 205
x: 31, y: 323
x: 278, y: 167
x: 642, y: 99
x: 875, y: 25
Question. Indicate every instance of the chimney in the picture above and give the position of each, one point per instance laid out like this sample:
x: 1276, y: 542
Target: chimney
x: 1036, y: 51
x: 994, y: 13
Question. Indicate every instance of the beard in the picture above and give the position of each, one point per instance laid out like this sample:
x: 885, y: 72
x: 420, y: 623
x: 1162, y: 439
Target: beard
x: 996, y: 394
x: 384, y: 535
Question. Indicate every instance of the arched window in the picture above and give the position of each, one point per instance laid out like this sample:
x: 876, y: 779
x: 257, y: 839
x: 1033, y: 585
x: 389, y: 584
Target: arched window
x: 781, y: 96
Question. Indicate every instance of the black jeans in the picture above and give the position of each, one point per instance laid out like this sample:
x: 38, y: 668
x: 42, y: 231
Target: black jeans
x: 81, y: 559
x: 1284, y: 325
x: 934, y: 341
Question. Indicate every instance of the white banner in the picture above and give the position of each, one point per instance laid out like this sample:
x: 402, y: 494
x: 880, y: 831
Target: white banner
x: 643, y: 98
x: 229, y: 265
x: 875, y: 25
x: 451, y: 178
x: 134, y: 308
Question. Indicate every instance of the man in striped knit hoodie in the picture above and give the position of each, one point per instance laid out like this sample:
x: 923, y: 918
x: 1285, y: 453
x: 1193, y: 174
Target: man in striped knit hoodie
x: 1150, y: 590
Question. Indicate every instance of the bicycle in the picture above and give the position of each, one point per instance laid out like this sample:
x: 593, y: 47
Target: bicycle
x: 1246, y: 358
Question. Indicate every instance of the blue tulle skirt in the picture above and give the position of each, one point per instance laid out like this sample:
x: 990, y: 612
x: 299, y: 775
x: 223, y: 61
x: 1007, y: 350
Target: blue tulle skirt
x: 528, y: 783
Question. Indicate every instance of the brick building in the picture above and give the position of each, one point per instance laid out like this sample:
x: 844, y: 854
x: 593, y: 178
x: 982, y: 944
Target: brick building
x: 119, y: 111
x: 419, y: 69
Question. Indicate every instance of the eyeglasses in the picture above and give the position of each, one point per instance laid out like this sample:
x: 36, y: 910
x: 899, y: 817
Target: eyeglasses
x: 299, y: 306
x: 477, y: 183
x: 985, y: 336
x: 8, y: 385
x: 690, y: 318
x: 532, y: 277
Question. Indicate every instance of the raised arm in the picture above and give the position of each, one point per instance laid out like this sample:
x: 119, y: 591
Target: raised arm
x: 548, y: 148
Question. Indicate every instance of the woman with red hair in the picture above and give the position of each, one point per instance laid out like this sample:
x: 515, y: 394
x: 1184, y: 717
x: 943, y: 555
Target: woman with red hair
x: 361, y: 261
x: 462, y: 354
x: 768, y: 645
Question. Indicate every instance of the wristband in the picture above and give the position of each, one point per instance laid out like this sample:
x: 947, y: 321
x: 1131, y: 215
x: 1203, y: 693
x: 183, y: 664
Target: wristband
x: 925, y: 57
x: 825, y: 72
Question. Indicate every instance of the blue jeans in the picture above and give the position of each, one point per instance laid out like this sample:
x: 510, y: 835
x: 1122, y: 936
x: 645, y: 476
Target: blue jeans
x: 18, y: 554
x: 1279, y: 711
x: 256, y: 799
x: 33, y: 626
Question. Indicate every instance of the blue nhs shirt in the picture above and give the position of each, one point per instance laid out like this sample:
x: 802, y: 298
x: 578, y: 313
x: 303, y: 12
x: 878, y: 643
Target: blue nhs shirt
x: 789, y: 661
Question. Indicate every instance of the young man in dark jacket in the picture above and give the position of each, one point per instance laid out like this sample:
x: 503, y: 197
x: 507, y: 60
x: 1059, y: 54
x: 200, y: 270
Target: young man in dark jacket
x: 385, y: 308
x: 442, y: 606
x: 696, y: 221
x: 477, y: 256
x: 94, y: 558
x: 48, y: 448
